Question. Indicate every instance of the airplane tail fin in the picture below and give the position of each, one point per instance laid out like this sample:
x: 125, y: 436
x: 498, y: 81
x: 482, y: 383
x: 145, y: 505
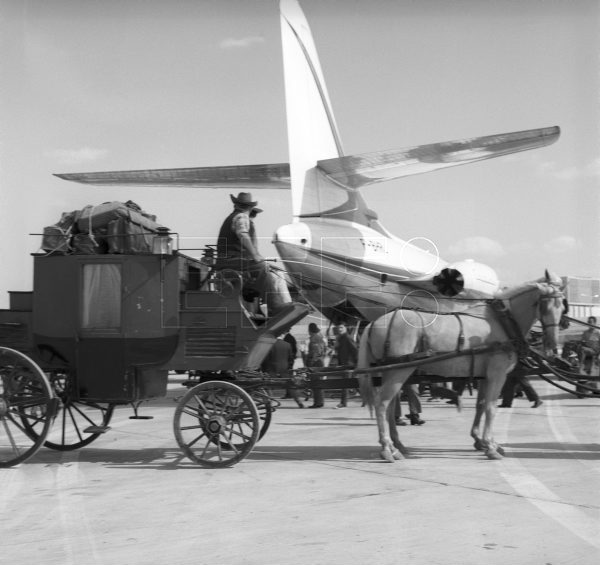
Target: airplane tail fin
x: 312, y: 131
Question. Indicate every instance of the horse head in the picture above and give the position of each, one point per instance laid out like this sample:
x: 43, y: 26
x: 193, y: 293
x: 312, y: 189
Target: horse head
x: 552, y: 306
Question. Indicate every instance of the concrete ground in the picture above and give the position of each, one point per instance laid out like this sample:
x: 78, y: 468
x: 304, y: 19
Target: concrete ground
x: 314, y: 491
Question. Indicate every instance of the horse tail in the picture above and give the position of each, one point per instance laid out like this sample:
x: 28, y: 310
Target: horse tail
x: 365, y: 359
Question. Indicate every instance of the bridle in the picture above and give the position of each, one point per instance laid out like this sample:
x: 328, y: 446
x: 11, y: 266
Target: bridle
x: 562, y: 323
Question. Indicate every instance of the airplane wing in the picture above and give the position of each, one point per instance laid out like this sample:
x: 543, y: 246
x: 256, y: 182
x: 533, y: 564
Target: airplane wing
x: 355, y: 171
x: 233, y: 177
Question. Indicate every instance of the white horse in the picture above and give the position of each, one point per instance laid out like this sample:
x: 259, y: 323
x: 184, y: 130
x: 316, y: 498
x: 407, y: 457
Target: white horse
x: 479, y: 342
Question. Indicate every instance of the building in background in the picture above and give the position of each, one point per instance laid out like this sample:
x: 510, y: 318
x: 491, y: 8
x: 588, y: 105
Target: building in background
x: 583, y: 294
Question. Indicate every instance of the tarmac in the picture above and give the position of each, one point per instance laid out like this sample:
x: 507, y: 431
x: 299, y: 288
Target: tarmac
x: 314, y: 490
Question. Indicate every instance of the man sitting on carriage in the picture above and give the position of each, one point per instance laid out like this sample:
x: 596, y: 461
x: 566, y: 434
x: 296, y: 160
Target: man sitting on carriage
x: 237, y: 249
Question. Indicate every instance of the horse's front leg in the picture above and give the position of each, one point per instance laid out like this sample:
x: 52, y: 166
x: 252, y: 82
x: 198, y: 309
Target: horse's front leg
x: 497, y: 369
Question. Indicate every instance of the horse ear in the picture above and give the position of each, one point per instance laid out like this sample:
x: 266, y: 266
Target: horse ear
x: 547, y: 275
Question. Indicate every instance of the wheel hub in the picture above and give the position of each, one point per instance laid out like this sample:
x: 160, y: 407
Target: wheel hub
x: 3, y: 407
x: 215, y: 424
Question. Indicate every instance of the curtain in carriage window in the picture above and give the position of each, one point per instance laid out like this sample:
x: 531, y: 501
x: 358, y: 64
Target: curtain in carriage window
x: 101, y: 296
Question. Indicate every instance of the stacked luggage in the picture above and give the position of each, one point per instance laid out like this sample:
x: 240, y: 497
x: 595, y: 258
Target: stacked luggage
x: 112, y: 227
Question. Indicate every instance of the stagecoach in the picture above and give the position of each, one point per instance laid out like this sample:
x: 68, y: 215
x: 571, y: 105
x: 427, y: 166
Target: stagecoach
x: 101, y: 330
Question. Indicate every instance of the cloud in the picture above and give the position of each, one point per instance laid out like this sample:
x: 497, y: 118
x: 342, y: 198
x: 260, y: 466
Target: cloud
x: 560, y: 244
x: 241, y: 43
x: 477, y: 246
x: 77, y: 156
x: 591, y: 170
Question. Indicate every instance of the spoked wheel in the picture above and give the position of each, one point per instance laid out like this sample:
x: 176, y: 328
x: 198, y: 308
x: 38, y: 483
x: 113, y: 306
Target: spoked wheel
x: 216, y: 424
x: 26, y: 401
x: 78, y: 422
x: 264, y: 405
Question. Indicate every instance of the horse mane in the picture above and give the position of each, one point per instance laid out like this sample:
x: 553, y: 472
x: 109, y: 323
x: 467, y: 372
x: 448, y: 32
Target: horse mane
x: 548, y: 284
x: 511, y: 292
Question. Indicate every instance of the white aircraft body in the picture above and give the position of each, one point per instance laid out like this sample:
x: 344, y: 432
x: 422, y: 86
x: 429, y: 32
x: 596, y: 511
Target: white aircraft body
x: 335, y: 251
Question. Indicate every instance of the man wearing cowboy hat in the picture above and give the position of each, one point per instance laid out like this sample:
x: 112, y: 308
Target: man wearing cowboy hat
x: 237, y: 249
x: 236, y: 246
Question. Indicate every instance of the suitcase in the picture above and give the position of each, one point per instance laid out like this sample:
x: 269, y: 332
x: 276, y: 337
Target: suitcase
x: 57, y: 238
x: 92, y: 218
x: 125, y: 237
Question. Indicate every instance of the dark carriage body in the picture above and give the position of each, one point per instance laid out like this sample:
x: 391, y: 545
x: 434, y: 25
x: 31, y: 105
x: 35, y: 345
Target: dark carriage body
x: 118, y: 323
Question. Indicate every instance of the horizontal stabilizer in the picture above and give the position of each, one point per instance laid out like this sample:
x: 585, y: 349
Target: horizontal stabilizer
x: 355, y: 171
x: 233, y: 177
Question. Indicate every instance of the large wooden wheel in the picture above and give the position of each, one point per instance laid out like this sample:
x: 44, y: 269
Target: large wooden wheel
x: 26, y: 402
x: 216, y: 424
x: 78, y: 422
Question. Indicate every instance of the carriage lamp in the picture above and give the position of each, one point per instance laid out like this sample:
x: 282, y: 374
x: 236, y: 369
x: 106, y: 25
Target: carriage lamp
x: 162, y: 243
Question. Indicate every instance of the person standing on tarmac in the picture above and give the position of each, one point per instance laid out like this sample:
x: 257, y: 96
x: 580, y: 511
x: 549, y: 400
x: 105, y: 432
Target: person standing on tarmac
x: 347, y: 355
x: 315, y: 357
x: 278, y: 362
x: 518, y: 376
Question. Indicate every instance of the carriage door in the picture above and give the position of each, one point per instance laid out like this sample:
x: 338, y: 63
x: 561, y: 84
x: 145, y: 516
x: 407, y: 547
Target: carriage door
x: 100, y: 352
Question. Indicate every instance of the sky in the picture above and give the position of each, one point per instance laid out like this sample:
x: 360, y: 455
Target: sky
x: 107, y: 85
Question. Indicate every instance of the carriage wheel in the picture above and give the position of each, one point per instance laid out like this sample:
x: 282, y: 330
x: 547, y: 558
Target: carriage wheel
x: 264, y: 406
x: 26, y: 401
x: 212, y: 414
x: 265, y: 409
x: 78, y: 422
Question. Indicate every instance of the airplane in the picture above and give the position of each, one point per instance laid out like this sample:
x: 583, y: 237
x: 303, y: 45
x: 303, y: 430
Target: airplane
x: 336, y: 252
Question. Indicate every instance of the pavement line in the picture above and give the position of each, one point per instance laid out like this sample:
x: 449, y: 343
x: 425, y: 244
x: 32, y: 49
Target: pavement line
x: 570, y: 517
x: 12, y: 482
x: 74, y: 522
x: 564, y: 435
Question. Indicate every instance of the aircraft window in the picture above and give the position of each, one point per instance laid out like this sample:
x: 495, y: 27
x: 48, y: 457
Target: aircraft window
x: 101, y: 296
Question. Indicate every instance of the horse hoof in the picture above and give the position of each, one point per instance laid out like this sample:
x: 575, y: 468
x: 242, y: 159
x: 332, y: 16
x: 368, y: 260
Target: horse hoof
x: 493, y: 455
x: 478, y: 445
x: 397, y: 455
x: 500, y: 450
x: 387, y: 455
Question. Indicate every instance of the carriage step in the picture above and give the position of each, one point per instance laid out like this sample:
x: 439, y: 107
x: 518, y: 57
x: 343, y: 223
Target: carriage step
x: 136, y: 417
x: 96, y: 429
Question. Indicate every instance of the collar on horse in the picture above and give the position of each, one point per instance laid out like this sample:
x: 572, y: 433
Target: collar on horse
x: 510, y: 326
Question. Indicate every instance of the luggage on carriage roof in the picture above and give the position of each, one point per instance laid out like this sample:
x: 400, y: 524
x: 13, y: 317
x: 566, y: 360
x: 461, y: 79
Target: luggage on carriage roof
x: 95, y: 217
x: 111, y: 227
x: 57, y: 238
x: 126, y: 237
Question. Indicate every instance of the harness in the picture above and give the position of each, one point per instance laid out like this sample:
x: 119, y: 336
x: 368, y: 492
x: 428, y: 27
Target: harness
x: 422, y: 349
x: 510, y: 326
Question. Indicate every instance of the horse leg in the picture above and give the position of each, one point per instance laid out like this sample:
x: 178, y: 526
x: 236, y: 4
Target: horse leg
x: 397, y: 447
x: 479, y: 408
x: 386, y: 424
x: 498, y: 367
x: 391, y: 415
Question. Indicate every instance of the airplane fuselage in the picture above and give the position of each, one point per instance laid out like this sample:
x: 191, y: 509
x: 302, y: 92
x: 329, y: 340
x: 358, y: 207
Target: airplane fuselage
x: 357, y: 266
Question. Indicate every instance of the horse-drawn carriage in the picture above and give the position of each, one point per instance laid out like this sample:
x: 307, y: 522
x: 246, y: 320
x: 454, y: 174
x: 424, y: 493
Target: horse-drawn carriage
x: 102, y: 330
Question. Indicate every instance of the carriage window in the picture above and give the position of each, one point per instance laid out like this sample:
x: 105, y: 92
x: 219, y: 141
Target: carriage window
x: 101, y: 296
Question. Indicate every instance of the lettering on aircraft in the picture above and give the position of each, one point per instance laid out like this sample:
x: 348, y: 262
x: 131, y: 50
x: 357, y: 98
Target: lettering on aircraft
x: 376, y: 245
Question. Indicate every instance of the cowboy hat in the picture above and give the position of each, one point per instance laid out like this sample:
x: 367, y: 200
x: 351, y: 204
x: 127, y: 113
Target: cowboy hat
x: 244, y: 199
